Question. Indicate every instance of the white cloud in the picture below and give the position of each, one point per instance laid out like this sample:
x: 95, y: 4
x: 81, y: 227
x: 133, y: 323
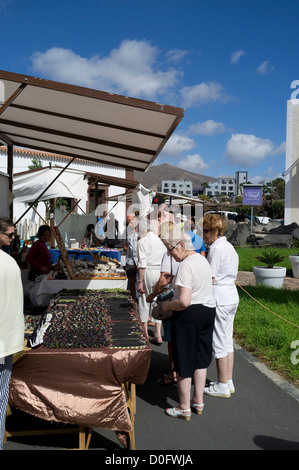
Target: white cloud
x: 131, y: 69
x: 236, y: 56
x: 177, y: 144
x: 281, y: 149
x: 255, y: 179
x: 4, y: 4
x: 203, y: 93
x: 209, y: 127
x: 249, y: 149
x: 176, y: 55
x: 265, y: 68
x: 194, y: 163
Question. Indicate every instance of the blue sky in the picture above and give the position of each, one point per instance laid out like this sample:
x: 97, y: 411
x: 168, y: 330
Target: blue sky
x: 230, y: 64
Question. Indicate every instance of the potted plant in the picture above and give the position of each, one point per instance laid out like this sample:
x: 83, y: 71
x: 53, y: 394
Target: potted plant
x: 294, y: 259
x: 270, y: 275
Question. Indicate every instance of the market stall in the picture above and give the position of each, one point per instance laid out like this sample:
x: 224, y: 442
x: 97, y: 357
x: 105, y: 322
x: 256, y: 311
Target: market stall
x: 108, y: 129
x: 113, y: 253
x: 86, y: 350
x: 101, y: 272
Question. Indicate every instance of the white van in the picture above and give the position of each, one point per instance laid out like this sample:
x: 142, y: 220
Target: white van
x: 228, y: 214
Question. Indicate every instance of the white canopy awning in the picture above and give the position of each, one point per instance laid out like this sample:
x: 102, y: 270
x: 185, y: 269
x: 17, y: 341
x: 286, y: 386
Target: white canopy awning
x: 28, y: 186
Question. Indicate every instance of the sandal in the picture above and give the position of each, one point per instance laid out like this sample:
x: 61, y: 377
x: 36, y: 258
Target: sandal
x: 167, y: 380
x: 178, y: 413
x: 157, y: 341
x: 197, y: 408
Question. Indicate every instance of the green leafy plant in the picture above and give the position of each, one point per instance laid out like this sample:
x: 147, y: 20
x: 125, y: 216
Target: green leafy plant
x: 295, y: 243
x: 270, y: 257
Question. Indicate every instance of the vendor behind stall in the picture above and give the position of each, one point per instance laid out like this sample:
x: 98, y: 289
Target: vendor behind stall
x: 90, y: 237
x: 39, y: 256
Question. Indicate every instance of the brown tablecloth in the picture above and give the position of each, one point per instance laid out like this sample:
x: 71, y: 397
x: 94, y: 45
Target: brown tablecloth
x: 82, y: 387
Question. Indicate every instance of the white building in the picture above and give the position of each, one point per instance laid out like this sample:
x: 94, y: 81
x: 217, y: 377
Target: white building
x: 179, y: 187
x: 23, y: 159
x: 227, y: 186
x: 241, y: 178
x: 291, y: 173
x: 221, y: 187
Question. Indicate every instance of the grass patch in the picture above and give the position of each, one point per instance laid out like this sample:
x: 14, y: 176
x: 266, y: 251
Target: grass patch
x: 264, y: 334
x: 247, y: 257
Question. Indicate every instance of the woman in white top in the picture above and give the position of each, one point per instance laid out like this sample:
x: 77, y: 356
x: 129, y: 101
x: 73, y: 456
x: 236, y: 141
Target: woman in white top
x: 224, y: 264
x: 192, y: 322
x: 150, y: 251
x: 11, y: 316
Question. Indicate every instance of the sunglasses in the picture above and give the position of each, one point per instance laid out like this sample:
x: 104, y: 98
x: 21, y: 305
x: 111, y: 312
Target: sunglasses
x: 9, y: 235
x: 206, y: 230
x: 170, y: 249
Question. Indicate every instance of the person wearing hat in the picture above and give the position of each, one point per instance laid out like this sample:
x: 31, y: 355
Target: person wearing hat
x: 197, y: 240
x: 181, y: 219
x: 158, y: 214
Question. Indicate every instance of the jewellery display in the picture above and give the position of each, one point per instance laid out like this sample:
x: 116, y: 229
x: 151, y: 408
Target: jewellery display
x: 90, y: 319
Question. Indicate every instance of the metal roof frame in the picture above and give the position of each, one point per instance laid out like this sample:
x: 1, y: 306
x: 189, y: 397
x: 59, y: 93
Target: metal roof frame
x: 84, y: 123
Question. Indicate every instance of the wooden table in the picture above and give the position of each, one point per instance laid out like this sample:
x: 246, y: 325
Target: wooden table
x: 86, y: 387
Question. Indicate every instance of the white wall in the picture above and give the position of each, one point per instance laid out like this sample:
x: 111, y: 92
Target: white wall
x: 21, y: 163
x: 292, y: 163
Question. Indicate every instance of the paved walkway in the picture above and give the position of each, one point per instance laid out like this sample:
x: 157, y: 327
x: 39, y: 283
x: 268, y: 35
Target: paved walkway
x: 263, y: 414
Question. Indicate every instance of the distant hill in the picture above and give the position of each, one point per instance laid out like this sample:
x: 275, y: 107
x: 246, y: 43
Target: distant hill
x: 154, y: 176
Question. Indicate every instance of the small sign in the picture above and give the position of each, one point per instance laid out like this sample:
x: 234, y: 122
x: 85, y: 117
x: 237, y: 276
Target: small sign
x: 252, y: 194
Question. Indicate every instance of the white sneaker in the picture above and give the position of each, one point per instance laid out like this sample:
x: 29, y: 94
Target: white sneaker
x: 214, y: 391
x: 230, y: 386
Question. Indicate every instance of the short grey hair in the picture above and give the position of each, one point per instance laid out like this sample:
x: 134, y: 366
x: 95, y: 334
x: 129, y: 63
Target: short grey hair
x: 172, y: 235
x: 145, y: 226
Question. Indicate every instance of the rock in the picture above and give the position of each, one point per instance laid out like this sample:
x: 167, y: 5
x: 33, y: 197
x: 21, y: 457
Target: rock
x: 295, y: 233
x: 240, y: 235
x: 285, y: 229
x: 284, y: 240
x: 270, y: 226
x: 255, y: 239
x: 231, y: 227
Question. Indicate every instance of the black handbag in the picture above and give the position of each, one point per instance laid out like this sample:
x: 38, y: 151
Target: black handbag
x: 157, y: 311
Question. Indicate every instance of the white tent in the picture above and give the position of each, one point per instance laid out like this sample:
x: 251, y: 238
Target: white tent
x: 28, y: 186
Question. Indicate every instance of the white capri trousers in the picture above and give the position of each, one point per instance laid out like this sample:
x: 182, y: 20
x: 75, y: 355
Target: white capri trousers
x: 151, y: 277
x: 223, y: 343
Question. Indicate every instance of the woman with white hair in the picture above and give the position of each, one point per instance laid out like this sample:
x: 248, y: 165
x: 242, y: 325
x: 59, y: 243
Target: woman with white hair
x: 193, y: 309
x: 150, y: 251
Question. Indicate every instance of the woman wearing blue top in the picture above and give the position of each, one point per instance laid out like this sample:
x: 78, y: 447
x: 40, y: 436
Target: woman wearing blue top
x: 197, y: 241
